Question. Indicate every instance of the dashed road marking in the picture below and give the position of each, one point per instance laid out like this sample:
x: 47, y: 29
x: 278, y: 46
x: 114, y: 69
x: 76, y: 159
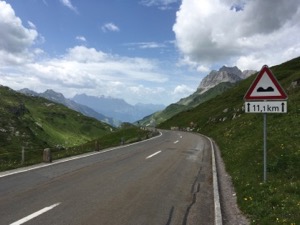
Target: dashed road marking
x: 150, y: 156
x: 36, y: 214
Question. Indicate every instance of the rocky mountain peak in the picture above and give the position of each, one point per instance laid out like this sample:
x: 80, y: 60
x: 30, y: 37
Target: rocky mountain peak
x: 224, y: 74
x: 231, y: 70
x: 53, y: 95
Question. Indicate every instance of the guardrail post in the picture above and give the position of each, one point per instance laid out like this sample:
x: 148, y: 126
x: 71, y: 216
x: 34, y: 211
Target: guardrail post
x: 97, y: 146
x: 23, y: 154
x: 47, y: 157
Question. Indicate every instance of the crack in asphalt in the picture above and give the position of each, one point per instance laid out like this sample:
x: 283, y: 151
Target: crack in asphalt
x: 194, y: 191
x: 170, y: 216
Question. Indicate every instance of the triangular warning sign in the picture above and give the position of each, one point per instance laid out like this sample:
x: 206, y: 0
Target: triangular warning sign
x: 265, y: 87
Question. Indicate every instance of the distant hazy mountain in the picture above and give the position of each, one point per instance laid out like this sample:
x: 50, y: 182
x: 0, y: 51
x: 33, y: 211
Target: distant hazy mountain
x: 59, y: 98
x: 117, y: 108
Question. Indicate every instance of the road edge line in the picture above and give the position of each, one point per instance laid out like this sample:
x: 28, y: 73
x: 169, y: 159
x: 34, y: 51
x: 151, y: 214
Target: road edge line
x: 217, y: 204
x: 218, y: 213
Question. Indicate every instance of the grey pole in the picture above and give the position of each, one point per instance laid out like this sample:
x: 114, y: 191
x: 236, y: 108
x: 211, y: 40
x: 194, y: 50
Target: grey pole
x: 265, y: 147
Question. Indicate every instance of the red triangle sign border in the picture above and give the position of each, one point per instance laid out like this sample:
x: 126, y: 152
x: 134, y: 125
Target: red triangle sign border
x: 265, y: 69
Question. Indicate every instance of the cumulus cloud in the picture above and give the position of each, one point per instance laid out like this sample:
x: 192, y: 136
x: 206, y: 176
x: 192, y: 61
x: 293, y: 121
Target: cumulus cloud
x: 182, y: 90
x: 110, y: 27
x: 241, y: 32
x: 15, y: 39
x: 79, y: 69
x: 87, y: 70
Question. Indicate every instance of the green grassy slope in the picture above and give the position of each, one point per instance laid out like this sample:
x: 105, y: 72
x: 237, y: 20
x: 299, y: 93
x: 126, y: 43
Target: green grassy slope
x: 240, y: 138
x: 185, y: 104
x: 36, y: 123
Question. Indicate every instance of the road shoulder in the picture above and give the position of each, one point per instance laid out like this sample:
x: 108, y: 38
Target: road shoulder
x: 230, y: 211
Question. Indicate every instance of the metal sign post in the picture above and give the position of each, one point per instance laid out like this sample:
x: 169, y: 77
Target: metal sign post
x: 265, y: 95
x: 265, y: 147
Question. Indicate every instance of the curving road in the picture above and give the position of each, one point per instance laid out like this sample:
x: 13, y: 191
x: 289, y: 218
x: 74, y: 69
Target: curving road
x: 162, y: 181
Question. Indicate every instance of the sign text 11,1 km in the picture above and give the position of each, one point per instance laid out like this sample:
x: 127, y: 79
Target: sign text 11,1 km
x: 266, y: 107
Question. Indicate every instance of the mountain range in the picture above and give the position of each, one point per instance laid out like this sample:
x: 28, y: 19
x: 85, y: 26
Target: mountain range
x: 117, y: 108
x: 215, y: 83
x: 113, y: 111
x: 59, y: 98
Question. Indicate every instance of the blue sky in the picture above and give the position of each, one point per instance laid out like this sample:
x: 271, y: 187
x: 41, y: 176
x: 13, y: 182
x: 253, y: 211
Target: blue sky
x: 149, y: 51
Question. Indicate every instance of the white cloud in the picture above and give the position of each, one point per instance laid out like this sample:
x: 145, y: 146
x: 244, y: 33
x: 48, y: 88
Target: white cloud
x: 144, y: 45
x: 147, y: 45
x: 69, y: 5
x: 79, y: 70
x: 110, y: 27
x: 161, y: 4
x: 81, y: 38
x: 182, y: 90
x: 15, y: 39
x: 31, y: 25
x: 86, y: 70
x: 244, y: 32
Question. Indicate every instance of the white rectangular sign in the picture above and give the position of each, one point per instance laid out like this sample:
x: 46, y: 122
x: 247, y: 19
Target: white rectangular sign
x: 266, y: 107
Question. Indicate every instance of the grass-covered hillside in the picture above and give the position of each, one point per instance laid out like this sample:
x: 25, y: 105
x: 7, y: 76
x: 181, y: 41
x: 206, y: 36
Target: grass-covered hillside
x: 35, y: 123
x: 184, y: 104
x: 29, y: 121
x: 240, y: 138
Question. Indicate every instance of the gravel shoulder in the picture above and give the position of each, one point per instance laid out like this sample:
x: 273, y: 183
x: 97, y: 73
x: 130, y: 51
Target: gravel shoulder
x: 231, y: 213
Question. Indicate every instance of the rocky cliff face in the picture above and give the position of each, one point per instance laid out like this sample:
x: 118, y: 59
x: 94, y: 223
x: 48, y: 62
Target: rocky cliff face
x: 225, y: 74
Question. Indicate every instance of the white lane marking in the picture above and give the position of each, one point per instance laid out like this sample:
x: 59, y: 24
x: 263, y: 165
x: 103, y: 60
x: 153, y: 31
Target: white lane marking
x: 150, y: 156
x: 175, y: 142
x: 33, y: 215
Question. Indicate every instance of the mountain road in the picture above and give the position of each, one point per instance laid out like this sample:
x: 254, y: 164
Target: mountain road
x: 166, y: 180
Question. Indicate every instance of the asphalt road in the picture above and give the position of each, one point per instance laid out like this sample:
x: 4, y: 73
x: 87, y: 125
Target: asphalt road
x: 162, y: 181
